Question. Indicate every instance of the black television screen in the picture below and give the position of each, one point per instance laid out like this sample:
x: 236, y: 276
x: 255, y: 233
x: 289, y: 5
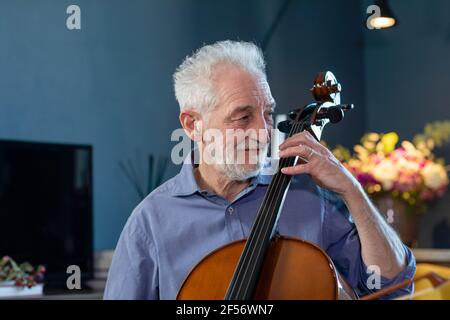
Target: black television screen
x: 46, y: 207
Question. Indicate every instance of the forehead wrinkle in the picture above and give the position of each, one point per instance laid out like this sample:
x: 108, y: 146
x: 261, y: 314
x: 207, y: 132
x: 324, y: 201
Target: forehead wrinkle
x: 241, y: 109
x: 261, y: 98
x: 256, y: 88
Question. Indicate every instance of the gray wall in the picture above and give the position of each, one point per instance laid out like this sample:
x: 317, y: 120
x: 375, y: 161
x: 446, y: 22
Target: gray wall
x: 407, y: 72
x: 312, y: 38
x: 109, y: 84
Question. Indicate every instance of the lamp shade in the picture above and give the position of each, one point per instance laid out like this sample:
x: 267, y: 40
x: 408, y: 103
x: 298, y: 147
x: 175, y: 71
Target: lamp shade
x: 386, y: 19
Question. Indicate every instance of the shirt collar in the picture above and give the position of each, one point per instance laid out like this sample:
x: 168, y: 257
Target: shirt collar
x: 186, y: 185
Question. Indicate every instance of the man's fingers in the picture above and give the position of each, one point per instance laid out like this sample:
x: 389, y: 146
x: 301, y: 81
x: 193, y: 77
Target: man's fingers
x: 300, y: 138
x: 298, y: 169
x: 302, y: 151
x: 304, y: 138
x: 305, y: 152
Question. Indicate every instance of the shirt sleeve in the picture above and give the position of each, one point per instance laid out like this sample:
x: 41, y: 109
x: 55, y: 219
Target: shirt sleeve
x: 133, y: 273
x: 342, y: 243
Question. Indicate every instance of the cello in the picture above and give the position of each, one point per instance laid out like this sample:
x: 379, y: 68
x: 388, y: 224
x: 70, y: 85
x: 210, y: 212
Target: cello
x: 267, y: 265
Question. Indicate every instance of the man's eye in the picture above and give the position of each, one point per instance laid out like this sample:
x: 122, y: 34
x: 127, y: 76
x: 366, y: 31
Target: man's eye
x: 244, y: 118
x: 270, y: 114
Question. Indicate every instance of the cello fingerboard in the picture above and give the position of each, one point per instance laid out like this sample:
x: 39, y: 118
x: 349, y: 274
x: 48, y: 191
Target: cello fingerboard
x: 245, y: 278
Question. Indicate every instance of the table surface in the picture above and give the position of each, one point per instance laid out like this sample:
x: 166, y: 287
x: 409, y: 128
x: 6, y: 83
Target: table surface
x: 435, y: 256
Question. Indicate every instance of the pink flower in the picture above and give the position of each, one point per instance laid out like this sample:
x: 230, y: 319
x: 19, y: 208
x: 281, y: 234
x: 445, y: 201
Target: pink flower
x: 366, y: 179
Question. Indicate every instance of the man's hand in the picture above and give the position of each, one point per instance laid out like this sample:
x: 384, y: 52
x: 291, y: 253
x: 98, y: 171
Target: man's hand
x: 379, y: 243
x: 327, y: 171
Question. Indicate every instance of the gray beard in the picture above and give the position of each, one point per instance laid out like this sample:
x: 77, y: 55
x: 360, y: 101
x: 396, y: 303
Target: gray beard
x: 237, y: 172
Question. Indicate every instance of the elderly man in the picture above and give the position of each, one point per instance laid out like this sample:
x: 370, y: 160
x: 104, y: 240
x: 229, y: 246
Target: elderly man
x: 211, y: 203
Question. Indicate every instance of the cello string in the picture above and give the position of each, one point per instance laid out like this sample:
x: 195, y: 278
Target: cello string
x: 259, y: 226
x: 265, y: 228
x: 262, y: 227
x: 254, y: 236
x: 268, y: 216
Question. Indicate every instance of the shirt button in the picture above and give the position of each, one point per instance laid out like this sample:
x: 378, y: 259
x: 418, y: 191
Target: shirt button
x: 230, y: 210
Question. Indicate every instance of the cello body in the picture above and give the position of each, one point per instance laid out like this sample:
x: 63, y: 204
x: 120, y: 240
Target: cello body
x: 294, y: 269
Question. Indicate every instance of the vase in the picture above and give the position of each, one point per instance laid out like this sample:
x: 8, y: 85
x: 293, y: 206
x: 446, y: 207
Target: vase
x: 403, y: 222
x: 9, y: 290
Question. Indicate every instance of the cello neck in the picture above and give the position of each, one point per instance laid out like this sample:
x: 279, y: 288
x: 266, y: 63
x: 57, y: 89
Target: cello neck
x: 245, y: 278
x: 313, y: 117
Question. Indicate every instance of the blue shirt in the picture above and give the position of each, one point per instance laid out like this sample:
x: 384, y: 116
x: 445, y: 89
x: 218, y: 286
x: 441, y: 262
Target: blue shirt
x: 178, y: 224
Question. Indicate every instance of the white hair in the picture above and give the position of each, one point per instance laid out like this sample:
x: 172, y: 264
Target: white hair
x: 193, y: 78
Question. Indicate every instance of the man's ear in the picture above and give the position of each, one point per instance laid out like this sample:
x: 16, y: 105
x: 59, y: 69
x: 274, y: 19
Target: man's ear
x: 192, y: 124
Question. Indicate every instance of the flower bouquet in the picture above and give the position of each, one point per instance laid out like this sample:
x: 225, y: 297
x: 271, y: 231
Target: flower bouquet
x: 409, y: 175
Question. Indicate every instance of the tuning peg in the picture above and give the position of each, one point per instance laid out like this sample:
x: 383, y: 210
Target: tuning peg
x: 293, y: 113
x: 285, y: 126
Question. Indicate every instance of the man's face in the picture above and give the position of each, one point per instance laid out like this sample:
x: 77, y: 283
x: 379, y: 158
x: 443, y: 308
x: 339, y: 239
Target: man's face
x: 243, y: 116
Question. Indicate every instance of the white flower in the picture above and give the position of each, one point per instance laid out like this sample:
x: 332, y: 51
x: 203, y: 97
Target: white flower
x: 386, y: 173
x: 411, y: 150
x: 407, y: 166
x: 434, y: 176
